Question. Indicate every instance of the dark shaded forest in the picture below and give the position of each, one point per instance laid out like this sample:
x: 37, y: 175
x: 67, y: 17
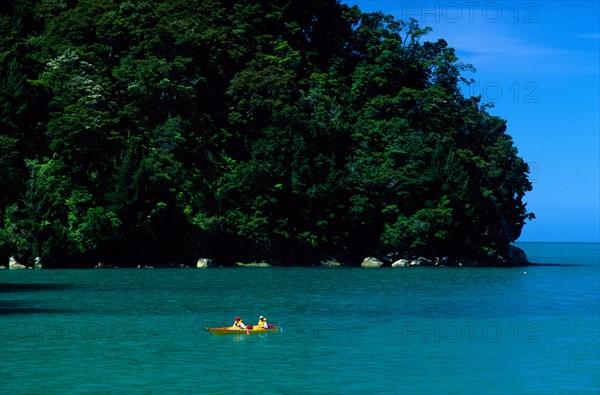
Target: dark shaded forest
x: 289, y: 131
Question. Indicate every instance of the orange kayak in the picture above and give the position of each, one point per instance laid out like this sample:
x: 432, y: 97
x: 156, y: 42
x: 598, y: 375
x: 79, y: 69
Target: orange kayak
x: 227, y: 330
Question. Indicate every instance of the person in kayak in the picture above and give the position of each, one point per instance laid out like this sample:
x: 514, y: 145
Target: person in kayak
x: 238, y: 323
x: 262, y: 322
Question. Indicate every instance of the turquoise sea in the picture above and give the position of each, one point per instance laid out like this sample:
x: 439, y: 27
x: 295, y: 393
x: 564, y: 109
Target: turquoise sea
x: 416, y: 330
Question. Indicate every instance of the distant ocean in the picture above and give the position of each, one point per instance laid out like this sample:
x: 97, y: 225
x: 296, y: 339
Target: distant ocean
x: 415, y: 330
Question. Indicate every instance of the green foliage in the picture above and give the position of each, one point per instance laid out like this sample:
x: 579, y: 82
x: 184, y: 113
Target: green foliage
x: 291, y: 131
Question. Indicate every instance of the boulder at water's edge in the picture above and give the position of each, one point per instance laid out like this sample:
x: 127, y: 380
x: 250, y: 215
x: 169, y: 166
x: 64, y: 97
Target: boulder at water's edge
x: 13, y: 264
x: 516, y: 256
x: 371, y: 262
x: 205, y: 263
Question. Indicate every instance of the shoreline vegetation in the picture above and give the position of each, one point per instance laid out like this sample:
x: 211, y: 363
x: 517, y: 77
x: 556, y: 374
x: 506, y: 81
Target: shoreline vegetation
x: 285, y: 132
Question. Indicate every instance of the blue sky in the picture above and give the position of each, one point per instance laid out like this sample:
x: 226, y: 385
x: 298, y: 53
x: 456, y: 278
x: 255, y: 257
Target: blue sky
x: 538, y: 63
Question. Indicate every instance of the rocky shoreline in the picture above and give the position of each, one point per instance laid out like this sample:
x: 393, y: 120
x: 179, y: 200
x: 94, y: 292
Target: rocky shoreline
x: 13, y: 264
x: 513, y: 257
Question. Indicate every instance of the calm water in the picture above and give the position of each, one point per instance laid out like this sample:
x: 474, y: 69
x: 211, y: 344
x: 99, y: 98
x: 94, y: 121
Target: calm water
x: 421, y: 330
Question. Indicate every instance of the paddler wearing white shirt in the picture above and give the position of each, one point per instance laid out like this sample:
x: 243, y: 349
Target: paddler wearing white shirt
x: 238, y: 324
x: 262, y: 322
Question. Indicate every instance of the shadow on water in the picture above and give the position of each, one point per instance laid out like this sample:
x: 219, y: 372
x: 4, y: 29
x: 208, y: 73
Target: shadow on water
x: 25, y: 287
x: 27, y: 306
x: 21, y: 307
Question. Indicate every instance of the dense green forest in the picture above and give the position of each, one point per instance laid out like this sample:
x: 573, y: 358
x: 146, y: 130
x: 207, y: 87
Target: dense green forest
x: 291, y: 131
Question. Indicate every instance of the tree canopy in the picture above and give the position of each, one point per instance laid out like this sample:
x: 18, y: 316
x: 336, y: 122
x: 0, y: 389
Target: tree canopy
x: 288, y: 131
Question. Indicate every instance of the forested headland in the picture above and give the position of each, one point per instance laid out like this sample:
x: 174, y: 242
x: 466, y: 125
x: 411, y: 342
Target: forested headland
x: 289, y: 131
